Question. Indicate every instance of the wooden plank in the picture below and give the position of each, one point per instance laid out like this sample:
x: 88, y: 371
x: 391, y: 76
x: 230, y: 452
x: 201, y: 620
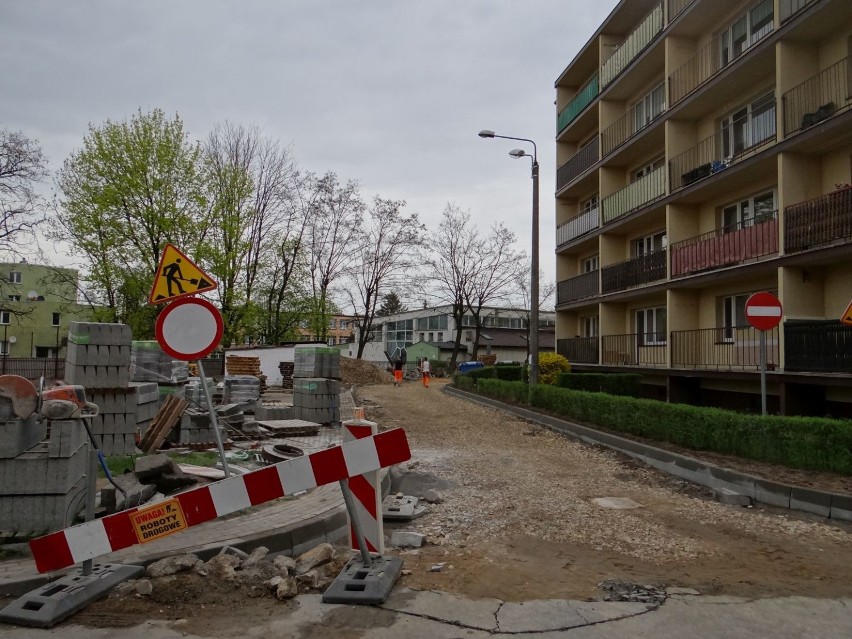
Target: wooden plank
x: 170, y: 418
x: 156, y: 424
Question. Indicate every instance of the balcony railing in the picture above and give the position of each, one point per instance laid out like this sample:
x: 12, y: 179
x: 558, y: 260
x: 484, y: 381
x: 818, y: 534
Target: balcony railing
x: 676, y: 6
x: 577, y: 165
x: 577, y: 226
x: 634, y: 349
x: 788, y: 8
x: 635, y: 43
x: 724, y: 348
x: 818, y: 98
x: 704, y: 65
x: 821, y: 346
x: 636, y: 271
x: 579, y: 350
x: 636, y: 195
x: 814, y: 223
x: 623, y: 129
x: 726, y: 246
x: 577, y: 288
x: 579, y: 102
x: 732, y: 144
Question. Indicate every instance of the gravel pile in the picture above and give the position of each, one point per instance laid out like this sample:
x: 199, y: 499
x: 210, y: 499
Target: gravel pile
x: 357, y: 371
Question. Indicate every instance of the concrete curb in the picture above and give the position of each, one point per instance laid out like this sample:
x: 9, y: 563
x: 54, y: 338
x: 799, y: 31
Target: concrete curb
x: 825, y: 504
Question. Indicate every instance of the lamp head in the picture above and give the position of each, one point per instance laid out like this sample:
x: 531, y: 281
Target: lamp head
x: 518, y: 153
x: 485, y: 133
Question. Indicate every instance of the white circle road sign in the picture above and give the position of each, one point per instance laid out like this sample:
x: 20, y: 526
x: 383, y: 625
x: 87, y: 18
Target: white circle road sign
x: 189, y: 328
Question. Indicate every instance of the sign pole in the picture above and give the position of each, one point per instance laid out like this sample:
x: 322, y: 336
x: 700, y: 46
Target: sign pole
x: 763, y: 372
x: 213, y: 421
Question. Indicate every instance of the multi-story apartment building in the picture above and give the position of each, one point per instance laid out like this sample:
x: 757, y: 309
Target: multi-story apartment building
x: 704, y: 153
x: 37, y: 305
x: 341, y: 330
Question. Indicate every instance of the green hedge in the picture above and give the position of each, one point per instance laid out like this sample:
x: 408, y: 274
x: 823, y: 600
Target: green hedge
x: 628, y: 384
x: 809, y: 443
x: 509, y: 373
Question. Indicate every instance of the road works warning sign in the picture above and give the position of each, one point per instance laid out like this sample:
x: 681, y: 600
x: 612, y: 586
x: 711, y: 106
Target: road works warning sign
x: 178, y: 276
x: 161, y: 519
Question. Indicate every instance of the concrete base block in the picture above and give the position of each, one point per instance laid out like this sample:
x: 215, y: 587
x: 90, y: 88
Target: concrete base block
x: 367, y: 585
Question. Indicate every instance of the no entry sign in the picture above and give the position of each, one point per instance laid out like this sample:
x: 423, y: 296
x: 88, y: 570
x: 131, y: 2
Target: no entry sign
x: 763, y: 311
x: 189, y: 328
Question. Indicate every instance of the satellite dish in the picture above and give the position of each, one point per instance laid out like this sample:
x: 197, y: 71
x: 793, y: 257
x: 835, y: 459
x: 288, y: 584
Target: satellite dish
x: 12, y: 339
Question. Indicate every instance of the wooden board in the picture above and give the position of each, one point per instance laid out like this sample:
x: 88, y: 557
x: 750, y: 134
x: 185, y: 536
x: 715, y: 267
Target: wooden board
x: 162, y: 424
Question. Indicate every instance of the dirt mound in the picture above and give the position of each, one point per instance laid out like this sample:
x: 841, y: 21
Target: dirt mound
x: 357, y: 371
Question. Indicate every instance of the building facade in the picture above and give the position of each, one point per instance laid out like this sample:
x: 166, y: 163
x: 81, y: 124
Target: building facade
x: 341, y: 330
x: 435, y: 325
x: 704, y: 153
x: 37, y: 304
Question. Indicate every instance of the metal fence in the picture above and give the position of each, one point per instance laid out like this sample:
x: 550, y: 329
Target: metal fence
x: 578, y: 103
x: 819, y: 221
x: 817, y: 98
x: 584, y: 159
x: 723, y: 348
x: 633, y: 45
x: 636, y: 271
x: 634, y: 349
x: 634, y: 196
x: 577, y: 288
x: 823, y: 346
x: 33, y: 368
x: 579, y: 350
x: 577, y: 226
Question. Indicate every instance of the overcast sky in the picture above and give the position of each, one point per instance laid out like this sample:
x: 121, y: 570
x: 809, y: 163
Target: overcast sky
x: 391, y: 94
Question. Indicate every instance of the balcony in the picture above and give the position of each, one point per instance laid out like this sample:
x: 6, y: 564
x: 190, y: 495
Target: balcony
x: 788, y: 8
x: 822, y: 346
x: 579, y: 102
x: 635, y: 43
x: 634, y: 349
x: 577, y: 226
x: 725, y: 246
x: 636, y: 195
x: 818, y: 222
x: 625, y: 128
x: 582, y: 161
x: 706, y: 63
x: 636, y: 271
x: 732, y: 144
x: 818, y: 98
x: 724, y: 348
x: 579, y: 350
x: 577, y: 288
x: 676, y: 6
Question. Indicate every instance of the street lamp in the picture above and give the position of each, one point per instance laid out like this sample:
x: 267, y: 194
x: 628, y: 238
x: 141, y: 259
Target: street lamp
x: 534, y: 301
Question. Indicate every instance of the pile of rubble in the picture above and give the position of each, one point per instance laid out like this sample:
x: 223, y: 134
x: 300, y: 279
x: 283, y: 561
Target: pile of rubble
x: 280, y: 576
x: 358, y: 371
x: 153, y: 477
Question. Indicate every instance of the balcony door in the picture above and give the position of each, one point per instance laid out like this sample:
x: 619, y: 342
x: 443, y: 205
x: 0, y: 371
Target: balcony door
x: 651, y: 326
x: 649, y: 107
x: 748, y: 125
x: 749, y: 211
x: 743, y: 32
x: 649, y: 244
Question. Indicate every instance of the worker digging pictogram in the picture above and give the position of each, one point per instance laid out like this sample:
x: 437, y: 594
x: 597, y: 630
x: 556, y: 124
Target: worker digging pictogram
x: 178, y: 276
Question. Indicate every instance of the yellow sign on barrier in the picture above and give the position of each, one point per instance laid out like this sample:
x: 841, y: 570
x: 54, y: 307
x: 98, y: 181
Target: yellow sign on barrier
x: 162, y: 519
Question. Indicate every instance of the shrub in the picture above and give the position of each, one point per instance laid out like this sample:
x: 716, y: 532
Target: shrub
x: 509, y: 373
x: 628, y: 384
x: 549, y: 367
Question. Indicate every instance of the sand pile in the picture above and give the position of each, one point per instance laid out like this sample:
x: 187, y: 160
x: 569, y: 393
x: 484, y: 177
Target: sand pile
x: 357, y: 371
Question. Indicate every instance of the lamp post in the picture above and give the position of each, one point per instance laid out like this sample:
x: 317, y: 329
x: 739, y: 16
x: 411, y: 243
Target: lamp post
x: 534, y: 301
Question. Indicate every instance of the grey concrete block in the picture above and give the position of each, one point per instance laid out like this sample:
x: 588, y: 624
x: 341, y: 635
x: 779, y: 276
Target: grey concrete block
x: 772, y: 493
x: 811, y: 501
x: 841, y: 507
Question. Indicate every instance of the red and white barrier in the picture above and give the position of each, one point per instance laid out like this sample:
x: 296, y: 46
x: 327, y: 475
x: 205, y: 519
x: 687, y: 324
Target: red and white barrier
x: 130, y: 527
x: 366, y: 491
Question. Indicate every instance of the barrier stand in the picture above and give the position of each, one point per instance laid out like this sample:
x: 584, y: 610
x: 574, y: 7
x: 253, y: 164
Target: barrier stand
x: 49, y: 604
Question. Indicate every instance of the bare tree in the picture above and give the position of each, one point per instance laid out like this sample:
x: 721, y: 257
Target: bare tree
x: 251, y: 179
x: 386, y: 250
x: 495, y: 267
x: 333, y: 233
x: 22, y: 167
x: 522, y: 299
x: 452, y: 266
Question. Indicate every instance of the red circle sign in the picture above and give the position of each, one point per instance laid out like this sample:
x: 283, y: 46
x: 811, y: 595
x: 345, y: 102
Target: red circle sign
x: 763, y: 311
x: 189, y: 328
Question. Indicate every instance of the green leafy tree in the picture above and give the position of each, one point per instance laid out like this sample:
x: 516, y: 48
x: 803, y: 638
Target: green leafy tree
x: 134, y: 186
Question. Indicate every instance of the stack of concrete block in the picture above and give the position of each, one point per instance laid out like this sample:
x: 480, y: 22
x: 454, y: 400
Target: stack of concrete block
x: 240, y: 389
x: 19, y: 435
x: 44, y: 487
x: 195, y: 428
x: 316, y: 399
x: 98, y: 355
x: 194, y: 391
x: 313, y: 361
x: 286, y: 369
x: 98, y: 358
x: 147, y: 396
x: 148, y: 363
x: 262, y: 412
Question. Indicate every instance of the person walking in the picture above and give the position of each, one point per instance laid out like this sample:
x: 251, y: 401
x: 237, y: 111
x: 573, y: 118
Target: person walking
x: 397, y: 372
x: 425, y: 371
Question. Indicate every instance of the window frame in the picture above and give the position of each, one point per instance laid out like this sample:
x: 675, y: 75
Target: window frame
x: 732, y: 215
x: 648, y: 244
x: 649, y: 107
x: 15, y: 277
x: 737, y: 127
x: 753, y: 30
x: 653, y: 313
x: 590, y: 326
x: 646, y: 169
x: 5, y: 318
x: 590, y: 264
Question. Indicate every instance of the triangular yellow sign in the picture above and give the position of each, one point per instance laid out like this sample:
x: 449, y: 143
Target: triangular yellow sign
x: 846, y: 318
x: 178, y: 276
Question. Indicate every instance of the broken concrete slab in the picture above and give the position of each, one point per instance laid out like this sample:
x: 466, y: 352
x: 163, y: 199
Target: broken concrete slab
x: 616, y: 503
x: 402, y: 508
x: 407, y: 539
x: 148, y: 466
x: 727, y: 496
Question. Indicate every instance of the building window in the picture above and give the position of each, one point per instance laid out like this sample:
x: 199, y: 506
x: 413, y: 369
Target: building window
x: 649, y: 107
x: 647, y: 169
x: 15, y: 277
x: 748, y: 125
x: 4, y: 348
x: 332, y: 323
x: 590, y: 205
x: 440, y: 337
x: 651, y: 326
x: 650, y: 244
x: 744, y: 213
x: 590, y: 326
x: 733, y: 315
x: 5, y: 316
x: 590, y: 264
x: 746, y: 30
x: 56, y: 319
x: 14, y: 298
